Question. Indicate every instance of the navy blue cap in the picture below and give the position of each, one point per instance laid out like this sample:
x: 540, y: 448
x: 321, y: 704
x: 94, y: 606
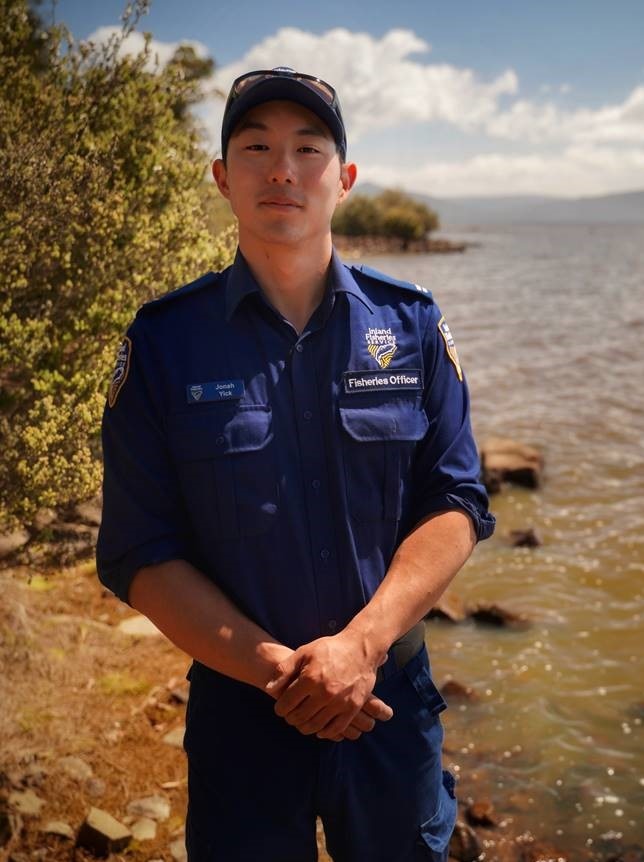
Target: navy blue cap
x: 289, y: 85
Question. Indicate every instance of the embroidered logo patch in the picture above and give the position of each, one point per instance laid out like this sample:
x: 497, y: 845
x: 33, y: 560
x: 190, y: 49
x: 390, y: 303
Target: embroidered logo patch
x: 121, y: 370
x: 450, y: 347
x: 381, y: 344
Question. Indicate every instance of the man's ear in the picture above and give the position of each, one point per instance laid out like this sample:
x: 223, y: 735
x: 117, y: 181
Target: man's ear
x: 348, y: 174
x: 221, y: 177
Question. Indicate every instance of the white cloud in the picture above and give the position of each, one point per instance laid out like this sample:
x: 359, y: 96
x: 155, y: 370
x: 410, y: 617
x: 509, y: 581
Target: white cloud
x: 134, y: 44
x: 383, y: 83
x: 380, y: 86
x: 577, y: 171
x: 544, y: 123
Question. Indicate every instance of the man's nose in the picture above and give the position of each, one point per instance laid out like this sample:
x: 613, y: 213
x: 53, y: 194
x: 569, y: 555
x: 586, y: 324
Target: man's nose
x: 281, y: 169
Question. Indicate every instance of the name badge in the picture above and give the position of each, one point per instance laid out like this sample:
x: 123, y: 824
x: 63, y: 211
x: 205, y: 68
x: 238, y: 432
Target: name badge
x: 375, y: 381
x: 215, y: 390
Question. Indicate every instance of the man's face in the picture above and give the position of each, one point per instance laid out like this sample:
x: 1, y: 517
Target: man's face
x: 283, y: 176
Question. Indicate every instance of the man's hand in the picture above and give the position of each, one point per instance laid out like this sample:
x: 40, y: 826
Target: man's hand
x: 325, y: 686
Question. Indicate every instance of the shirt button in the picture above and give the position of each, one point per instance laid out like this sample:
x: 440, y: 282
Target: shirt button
x: 299, y: 347
x: 220, y: 441
x: 333, y: 624
x: 325, y: 553
x: 316, y: 484
x: 307, y: 414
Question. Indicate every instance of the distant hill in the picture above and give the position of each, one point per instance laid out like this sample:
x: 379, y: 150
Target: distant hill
x: 624, y: 208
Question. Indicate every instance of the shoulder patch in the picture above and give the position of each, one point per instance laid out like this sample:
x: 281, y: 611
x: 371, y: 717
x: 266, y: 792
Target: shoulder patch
x: 396, y: 282
x: 450, y: 347
x: 207, y: 280
x: 121, y: 370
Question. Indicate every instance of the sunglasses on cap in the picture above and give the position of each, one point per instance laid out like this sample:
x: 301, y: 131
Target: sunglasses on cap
x: 250, y: 79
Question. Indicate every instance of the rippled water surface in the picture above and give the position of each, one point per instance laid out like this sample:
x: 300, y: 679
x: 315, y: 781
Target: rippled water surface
x: 549, y: 325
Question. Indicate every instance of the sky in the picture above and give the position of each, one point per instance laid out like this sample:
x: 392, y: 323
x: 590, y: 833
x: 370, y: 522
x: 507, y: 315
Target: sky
x: 456, y: 98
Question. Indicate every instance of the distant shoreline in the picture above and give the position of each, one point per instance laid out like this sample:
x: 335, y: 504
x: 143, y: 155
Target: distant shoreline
x: 358, y: 246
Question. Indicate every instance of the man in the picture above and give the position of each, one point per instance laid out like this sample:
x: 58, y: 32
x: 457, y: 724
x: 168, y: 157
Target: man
x: 290, y: 484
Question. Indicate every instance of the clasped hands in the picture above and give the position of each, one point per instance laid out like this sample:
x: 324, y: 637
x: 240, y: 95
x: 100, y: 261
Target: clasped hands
x: 325, y: 687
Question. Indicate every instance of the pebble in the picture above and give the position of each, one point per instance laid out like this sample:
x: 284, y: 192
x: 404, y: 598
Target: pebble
x: 26, y: 802
x: 102, y: 834
x: 178, y: 850
x: 464, y: 845
x: 76, y: 768
x: 175, y: 737
x: 154, y: 807
x: 481, y: 813
x: 138, y: 626
x: 58, y: 827
x: 10, y: 542
x: 144, y: 829
x: 95, y: 787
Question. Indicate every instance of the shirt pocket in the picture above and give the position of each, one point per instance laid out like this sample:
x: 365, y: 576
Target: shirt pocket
x: 378, y: 444
x: 227, y: 469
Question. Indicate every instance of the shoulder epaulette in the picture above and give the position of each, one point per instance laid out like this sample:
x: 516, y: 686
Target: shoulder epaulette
x: 397, y: 282
x: 204, y: 281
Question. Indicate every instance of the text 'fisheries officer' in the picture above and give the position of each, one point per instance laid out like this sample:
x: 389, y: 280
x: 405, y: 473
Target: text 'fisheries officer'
x: 290, y: 484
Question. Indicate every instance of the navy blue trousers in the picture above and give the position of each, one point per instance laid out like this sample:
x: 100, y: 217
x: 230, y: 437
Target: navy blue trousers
x: 256, y: 785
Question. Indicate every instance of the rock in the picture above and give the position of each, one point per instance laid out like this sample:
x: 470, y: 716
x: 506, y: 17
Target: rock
x: 10, y: 824
x: 43, y: 518
x: 89, y: 512
x: 180, y: 694
x: 506, y: 460
x: 10, y: 542
x: 26, y: 802
x: 155, y: 807
x: 632, y: 853
x: 454, y: 690
x: 95, y: 787
x: 448, y: 607
x: 58, y: 827
x: 144, y: 829
x: 527, y: 538
x: 71, y: 530
x: 175, y: 737
x: 102, y: 834
x: 138, y: 626
x: 481, y: 813
x: 178, y: 850
x: 494, y: 615
x: 76, y: 768
x: 464, y: 844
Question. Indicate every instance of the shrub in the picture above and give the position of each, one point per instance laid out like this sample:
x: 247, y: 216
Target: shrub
x: 100, y: 189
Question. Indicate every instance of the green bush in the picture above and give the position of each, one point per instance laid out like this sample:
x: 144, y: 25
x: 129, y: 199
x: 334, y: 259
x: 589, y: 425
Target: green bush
x: 103, y: 204
x: 390, y: 213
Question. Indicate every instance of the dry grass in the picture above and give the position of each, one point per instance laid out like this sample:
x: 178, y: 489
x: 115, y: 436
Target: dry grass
x: 72, y: 685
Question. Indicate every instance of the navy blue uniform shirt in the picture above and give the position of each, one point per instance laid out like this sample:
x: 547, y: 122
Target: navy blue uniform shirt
x: 286, y: 468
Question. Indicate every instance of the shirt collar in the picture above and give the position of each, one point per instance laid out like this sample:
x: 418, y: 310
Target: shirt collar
x: 241, y: 282
x: 343, y: 281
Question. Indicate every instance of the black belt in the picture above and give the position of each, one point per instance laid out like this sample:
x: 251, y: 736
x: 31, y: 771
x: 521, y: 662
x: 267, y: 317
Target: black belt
x: 404, y: 649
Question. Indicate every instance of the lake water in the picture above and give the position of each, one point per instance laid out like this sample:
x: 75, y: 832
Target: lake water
x: 549, y: 325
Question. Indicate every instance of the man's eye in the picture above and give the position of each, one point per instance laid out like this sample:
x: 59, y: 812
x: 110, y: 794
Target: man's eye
x: 256, y: 147
x: 309, y: 150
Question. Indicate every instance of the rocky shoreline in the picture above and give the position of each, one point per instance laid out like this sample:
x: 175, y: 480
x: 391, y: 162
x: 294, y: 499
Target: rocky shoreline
x: 353, y: 247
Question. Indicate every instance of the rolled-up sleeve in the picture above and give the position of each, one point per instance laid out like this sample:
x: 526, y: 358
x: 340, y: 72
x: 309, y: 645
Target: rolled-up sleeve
x: 142, y: 523
x: 446, y: 470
